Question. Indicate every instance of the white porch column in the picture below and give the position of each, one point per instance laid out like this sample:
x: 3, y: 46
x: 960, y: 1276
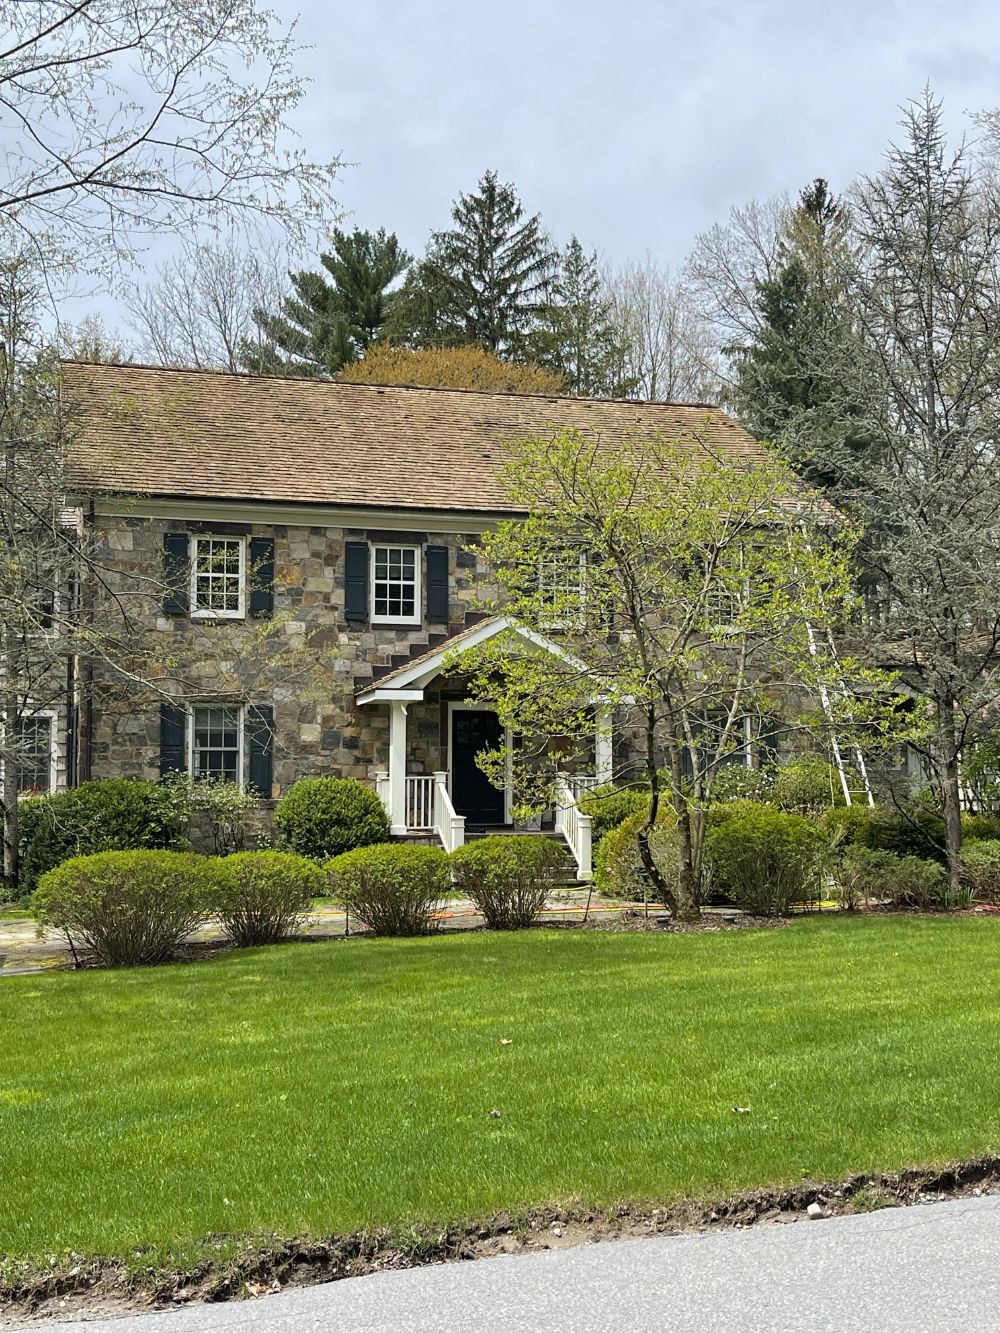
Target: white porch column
x: 603, y: 760
x: 397, y: 767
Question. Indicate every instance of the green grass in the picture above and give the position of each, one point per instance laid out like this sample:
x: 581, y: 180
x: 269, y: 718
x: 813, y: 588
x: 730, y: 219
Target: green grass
x: 325, y: 1087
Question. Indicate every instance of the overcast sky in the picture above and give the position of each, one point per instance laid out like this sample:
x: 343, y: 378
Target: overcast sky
x: 634, y: 123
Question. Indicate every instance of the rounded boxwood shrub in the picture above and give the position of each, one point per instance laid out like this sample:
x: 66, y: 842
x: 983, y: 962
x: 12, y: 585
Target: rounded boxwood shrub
x: 395, y: 888
x: 607, y: 806
x: 766, y: 862
x: 618, y: 869
x: 323, y: 817
x: 128, y: 908
x: 114, y: 814
x: 508, y: 878
x: 262, y: 897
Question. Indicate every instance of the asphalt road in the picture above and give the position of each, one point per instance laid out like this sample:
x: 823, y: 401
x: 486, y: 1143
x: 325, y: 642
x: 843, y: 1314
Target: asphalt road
x: 928, y: 1267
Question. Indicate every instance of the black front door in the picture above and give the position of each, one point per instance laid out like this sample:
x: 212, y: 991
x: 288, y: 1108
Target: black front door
x: 472, y: 793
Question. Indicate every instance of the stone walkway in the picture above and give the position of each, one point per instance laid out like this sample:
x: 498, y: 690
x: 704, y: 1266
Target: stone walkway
x: 22, y: 951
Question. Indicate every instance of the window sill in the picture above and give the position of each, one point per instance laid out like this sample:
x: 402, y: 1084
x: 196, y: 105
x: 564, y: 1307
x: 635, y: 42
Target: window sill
x: 391, y: 624
x: 203, y: 616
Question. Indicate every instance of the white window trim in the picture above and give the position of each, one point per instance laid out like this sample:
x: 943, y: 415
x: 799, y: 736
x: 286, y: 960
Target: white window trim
x: 551, y: 564
x: 208, y: 614
x: 418, y: 589
x: 53, y: 719
x: 240, y: 735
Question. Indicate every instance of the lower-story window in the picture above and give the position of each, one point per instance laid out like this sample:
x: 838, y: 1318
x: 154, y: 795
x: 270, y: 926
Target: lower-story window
x: 217, y: 742
x: 34, y: 754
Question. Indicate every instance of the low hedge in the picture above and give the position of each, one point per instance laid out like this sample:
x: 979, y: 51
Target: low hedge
x: 394, y: 888
x: 128, y: 908
x: 618, y: 869
x: 325, y: 817
x: 262, y: 897
x: 766, y: 862
x: 507, y: 877
x: 114, y: 814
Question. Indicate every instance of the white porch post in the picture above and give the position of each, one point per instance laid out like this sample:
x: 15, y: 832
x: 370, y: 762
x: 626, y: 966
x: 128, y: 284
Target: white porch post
x: 603, y: 760
x: 397, y: 767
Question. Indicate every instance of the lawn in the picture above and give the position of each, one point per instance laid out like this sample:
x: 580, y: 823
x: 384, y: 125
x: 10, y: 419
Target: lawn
x: 327, y: 1086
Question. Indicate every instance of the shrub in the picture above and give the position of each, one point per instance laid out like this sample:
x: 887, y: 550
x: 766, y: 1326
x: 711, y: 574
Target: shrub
x: 917, y: 831
x: 609, y: 805
x: 736, y: 782
x: 981, y: 869
x: 981, y: 828
x: 128, y: 908
x: 220, y: 807
x: 508, y: 878
x: 324, y: 817
x: 897, y: 881
x: 864, y: 874
x: 766, y: 862
x: 115, y: 814
x: 261, y: 897
x: 808, y: 785
x: 618, y: 869
x: 394, y: 888
x: 742, y: 809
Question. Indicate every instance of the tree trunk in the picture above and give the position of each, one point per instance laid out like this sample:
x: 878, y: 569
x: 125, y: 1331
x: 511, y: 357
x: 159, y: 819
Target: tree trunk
x: 689, y: 871
x: 950, y: 792
x: 649, y: 865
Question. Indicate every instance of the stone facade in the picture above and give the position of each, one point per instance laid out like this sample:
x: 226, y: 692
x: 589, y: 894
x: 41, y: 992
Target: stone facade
x: 307, y: 661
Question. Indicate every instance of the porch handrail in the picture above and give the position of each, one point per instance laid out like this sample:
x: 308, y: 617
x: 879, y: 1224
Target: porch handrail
x: 449, y: 827
x: 575, y: 826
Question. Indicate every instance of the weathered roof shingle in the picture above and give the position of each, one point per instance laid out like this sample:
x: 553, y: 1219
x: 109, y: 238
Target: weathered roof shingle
x: 201, y: 434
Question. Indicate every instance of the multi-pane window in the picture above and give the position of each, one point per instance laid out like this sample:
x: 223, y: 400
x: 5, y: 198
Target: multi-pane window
x: 562, y: 583
x: 395, y: 583
x: 218, y: 576
x: 34, y: 754
x: 216, y: 741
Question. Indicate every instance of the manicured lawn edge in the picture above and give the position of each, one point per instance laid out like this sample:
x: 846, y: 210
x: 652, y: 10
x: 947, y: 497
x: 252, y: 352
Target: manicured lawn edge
x: 221, y: 1268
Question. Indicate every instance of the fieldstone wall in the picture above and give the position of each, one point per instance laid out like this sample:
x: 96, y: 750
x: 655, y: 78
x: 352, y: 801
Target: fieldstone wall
x: 308, y: 662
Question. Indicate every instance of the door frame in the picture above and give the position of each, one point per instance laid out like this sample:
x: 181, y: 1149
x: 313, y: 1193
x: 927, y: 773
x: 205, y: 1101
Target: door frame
x: 467, y: 706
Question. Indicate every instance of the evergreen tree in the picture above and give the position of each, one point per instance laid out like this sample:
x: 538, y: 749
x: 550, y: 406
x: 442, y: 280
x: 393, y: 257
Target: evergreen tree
x: 577, y: 337
x: 485, y: 281
x: 328, y: 322
x: 782, y: 387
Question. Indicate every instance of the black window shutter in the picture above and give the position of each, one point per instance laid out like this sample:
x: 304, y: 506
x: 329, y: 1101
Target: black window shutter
x: 260, y: 745
x: 173, y: 734
x: 261, y: 576
x: 356, y: 581
x: 175, y: 573
x: 437, y: 583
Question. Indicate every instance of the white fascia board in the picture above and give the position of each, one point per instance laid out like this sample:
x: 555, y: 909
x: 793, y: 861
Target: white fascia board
x: 388, y: 696
x: 293, y: 515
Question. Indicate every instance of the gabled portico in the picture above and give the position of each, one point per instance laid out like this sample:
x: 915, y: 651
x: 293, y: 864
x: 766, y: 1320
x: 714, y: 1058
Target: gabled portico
x: 440, y: 801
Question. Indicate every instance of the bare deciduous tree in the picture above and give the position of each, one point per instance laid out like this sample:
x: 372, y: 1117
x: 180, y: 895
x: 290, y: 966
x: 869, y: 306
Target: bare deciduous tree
x: 198, y: 310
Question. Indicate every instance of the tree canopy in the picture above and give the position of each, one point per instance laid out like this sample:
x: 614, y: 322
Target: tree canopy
x: 450, y: 368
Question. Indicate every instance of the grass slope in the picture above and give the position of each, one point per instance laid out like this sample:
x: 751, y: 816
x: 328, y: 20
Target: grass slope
x: 330, y: 1086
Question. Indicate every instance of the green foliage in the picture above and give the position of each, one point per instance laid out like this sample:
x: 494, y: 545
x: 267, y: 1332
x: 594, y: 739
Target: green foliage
x: 981, y: 828
x: 766, y: 862
x: 110, y: 815
x: 327, y: 323
x: 394, y: 888
x: 618, y: 868
x: 727, y: 810
x: 607, y: 806
x: 323, y: 817
x: 577, y: 335
x: 876, y: 875
x: 262, y: 897
x: 807, y: 785
x: 228, y: 813
x: 127, y: 908
x: 981, y: 869
x: 508, y: 877
x: 917, y: 831
x: 736, y: 782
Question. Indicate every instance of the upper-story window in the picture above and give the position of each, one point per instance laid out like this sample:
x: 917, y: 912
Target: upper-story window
x: 395, y: 584
x: 562, y: 583
x: 218, y: 577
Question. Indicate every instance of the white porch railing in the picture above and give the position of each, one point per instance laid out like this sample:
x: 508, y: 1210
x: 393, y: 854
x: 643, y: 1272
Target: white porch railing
x: 419, y: 803
x: 449, y: 827
x: 573, y: 824
x: 428, y: 806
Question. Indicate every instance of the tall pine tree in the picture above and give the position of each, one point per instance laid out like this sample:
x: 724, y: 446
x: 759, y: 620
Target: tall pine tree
x: 329, y: 321
x: 577, y: 337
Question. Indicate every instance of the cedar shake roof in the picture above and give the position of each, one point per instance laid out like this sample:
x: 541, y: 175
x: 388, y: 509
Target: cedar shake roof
x: 202, y: 434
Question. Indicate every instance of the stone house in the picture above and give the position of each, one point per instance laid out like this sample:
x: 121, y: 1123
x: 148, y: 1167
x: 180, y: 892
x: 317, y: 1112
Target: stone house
x: 276, y: 512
